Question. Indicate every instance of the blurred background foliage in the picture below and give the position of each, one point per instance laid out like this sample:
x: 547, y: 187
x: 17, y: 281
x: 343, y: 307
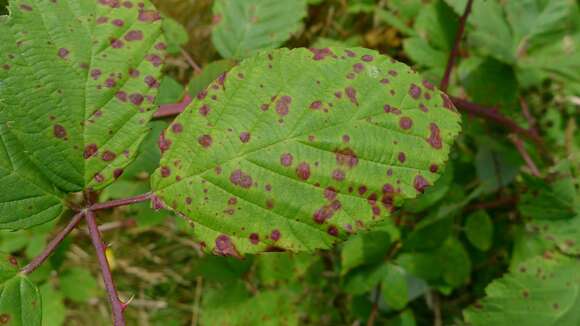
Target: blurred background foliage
x: 484, y: 217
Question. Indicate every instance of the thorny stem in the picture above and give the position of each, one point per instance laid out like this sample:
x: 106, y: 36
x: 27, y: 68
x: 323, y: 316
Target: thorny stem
x: 52, y: 245
x: 121, y: 202
x: 455, y: 51
x: 117, y: 306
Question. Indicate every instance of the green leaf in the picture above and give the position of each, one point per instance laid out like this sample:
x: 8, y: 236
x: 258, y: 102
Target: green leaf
x: 8, y: 267
x: 20, y: 303
x: 394, y: 287
x: 540, y: 292
x: 170, y: 91
x: 26, y: 197
x: 86, y: 72
x: 364, y: 248
x: 479, y: 230
x: 244, y: 27
x: 297, y: 149
x: 69, y: 285
x: 549, y: 200
x: 492, y: 83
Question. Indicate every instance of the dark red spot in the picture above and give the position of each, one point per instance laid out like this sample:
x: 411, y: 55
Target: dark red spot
x: 350, y: 53
x: 402, y: 157
x: 389, y: 172
x: 6, y: 66
x: 99, y: 178
x: 275, y: 235
x: 283, y: 105
x: 205, y: 140
x: 165, y: 171
x: 351, y: 94
x: 358, y: 67
x: 241, y: 179
x: 59, y: 131
x: 367, y: 58
x: 388, y: 188
x: 372, y: 199
x: 121, y: 96
x: 133, y: 36
x: 338, y: 175
x: 420, y: 183
x: 101, y: 20
x: 12, y: 260
x: 525, y: 294
x: 269, y: 203
x: 63, y: 53
x: 433, y: 168
x: 393, y: 73
x: 149, y: 15
x: 345, y: 138
x: 415, y: 91
x: 225, y: 247
x: 406, y: 123
x: 333, y: 231
x: 163, y: 143
x: 315, y: 105
x: 254, y: 238
x: 4, y: 318
x: 117, y: 173
x: 108, y: 156
x: 118, y: 22
x: 346, y: 157
x: 244, y: 137
x: 428, y: 85
x: 320, y: 54
x: 154, y: 59
x: 362, y: 190
x: 116, y: 44
x: 134, y: 73
x: 232, y: 201
x: 201, y: 95
x: 204, y: 110
x: 303, y: 171
x: 151, y: 82
x: 330, y: 193
x: 90, y: 150
x: 435, y: 136
x: 177, y: 128
x: 385, y: 81
x: 136, y: 98
x: 95, y: 73
x: 25, y: 7
x: 286, y: 159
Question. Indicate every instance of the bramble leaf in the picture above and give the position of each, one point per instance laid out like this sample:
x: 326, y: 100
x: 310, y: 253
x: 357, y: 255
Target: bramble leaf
x: 77, y: 83
x: 27, y: 198
x: 8, y: 267
x: 543, y: 291
x: 244, y: 27
x: 296, y: 149
x: 20, y: 303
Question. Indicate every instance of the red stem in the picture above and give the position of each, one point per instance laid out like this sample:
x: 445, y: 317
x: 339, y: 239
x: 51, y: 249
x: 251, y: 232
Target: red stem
x: 526, y: 156
x: 117, y: 306
x: 52, y: 245
x: 168, y: 110
x: 455, y: 50
x: 121, y: 202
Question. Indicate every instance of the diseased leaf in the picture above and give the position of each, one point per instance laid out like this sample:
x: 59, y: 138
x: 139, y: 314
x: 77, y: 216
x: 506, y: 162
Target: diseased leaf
x: 26, y: 197
x: 78, y: 84
x: 20, y: 303
x: 543, y: 291
x: 297, y: 149
x: 244, y: 27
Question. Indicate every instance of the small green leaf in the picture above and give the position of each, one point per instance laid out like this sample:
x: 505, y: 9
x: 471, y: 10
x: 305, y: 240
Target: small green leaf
x: 479, y: 230
x: 20, y: 303
x: 26, y: 197
x: 394, y: 287
x: 542, y: 291
x: 170, y: 91
x: 54, y: 309
x: 244, y: 27
x: 298, y: 149
x: 87, y: 73
x: 364, y: 248
x: 175, y: 34
x: 210, y: 72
